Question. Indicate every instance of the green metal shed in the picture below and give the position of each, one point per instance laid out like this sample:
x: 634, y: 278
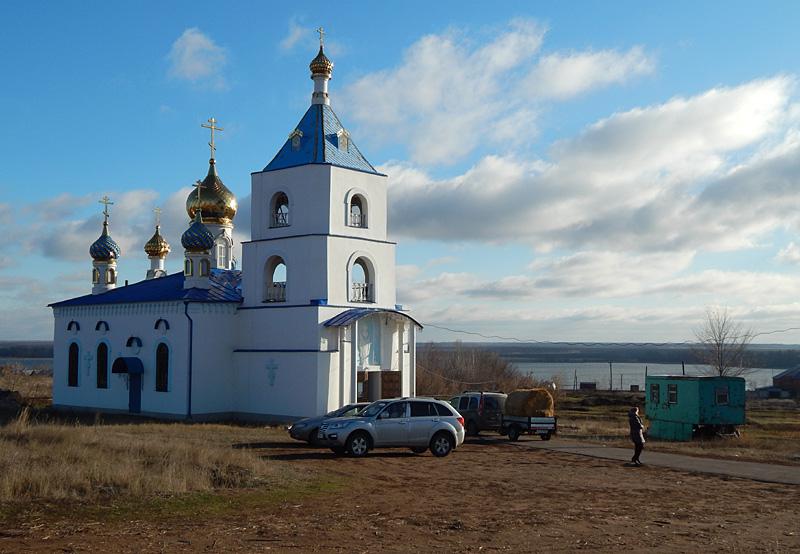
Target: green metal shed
x: 680, y: 406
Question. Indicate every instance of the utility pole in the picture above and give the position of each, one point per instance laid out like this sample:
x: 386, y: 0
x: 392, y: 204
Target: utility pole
x: 610, y: 377
x: 683, y: 367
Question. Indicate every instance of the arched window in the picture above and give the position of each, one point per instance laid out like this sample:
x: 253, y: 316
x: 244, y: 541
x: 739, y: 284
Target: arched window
x: 72, y: 368
x: 357, y: 212
x: 188, y: 267
x: 111, y: 276
x: 205, y: 267
x: 95, y: 276
x: 102, y: 366
x: 362, y: 281
x: 222, y: 246
x: 275, y: 280
x: 279, y: 210
x: 162, y: 368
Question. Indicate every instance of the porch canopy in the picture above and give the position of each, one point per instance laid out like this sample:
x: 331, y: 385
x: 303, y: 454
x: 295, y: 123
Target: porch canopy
x: 354, y: 314
x: 128, y: 365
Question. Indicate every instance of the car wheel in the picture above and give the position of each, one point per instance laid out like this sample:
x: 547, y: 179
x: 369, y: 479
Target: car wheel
x: 441, y: 444
x: 546, y: 437
x: 513, y: 433
x: 313, y: 439
x: 358, y: 444
x: 418, y: 449
x: 472, y: 428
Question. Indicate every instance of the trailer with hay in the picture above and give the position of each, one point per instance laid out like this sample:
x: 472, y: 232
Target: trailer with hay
x: 529, y: 412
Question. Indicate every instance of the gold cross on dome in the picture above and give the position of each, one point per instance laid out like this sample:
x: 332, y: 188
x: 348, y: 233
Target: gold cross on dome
x: 321, y: 32
x: 106, y: 201
x: 213, y: 127
x: 157, y: 211
x: 199, y: 185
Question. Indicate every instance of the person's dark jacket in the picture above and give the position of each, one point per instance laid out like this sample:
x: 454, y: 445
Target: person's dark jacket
x: 637, y: 427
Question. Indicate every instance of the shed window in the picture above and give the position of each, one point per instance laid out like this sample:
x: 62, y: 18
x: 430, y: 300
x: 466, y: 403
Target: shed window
x: 72, y: 369
x: 162, y: 368
x: 721, y: 396
x: 102, y: 366
x: 672, y: 394
x: 655, y: 393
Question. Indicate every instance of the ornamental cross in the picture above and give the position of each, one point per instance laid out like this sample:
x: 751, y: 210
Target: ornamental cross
x: 106, y: 201
x: 199, y: 185
x: 157, y: 211
x: 321, y: 32
x: 213, y: 128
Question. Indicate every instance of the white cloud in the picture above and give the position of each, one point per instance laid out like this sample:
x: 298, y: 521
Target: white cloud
x: 790, y: 254
x: 673, y: 176
x: 447, y: 94
x: 196, y: 58
x: 451, y: 94
x: 297, y: 33
x: 562, y: 76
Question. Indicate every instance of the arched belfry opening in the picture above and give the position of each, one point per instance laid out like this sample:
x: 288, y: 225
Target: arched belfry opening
x: 362, y: 280
x: 357, y: 212
x: 279, y: 210
x: 275, y: 280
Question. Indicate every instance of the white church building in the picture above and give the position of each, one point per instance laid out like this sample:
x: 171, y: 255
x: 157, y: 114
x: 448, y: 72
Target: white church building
x: 308, y: 324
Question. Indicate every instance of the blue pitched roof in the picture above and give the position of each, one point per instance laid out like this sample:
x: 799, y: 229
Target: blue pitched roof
x: 225, y: 287
x: 320, y: 144
x: 354, y: 314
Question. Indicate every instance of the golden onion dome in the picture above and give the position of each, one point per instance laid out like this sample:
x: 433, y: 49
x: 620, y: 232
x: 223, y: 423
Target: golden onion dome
x: 216, y: 203
x: 157, y: 245
x: 321, y: 65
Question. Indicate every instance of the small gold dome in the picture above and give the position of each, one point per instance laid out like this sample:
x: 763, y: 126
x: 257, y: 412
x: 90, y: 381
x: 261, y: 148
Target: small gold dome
x: 321, y: 65
x: 157, y: 245
x: 217, y: 204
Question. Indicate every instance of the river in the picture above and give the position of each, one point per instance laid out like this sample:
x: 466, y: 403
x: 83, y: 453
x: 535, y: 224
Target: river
x: 623, y: 375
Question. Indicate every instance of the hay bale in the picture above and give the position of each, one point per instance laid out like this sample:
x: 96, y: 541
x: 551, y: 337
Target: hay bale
x: 529, y: 403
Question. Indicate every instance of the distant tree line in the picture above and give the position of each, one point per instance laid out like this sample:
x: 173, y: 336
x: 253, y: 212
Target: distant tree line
x: 456, y: 368
x: 26, y: 349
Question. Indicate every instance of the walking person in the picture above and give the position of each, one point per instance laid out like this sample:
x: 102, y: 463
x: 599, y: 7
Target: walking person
x: 637, y: 434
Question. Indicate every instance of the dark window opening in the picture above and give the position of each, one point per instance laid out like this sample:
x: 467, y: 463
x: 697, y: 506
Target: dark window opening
x: 162, y: 368
x: 72, y: 369
x: 102, y: 366
x: 722, y: 396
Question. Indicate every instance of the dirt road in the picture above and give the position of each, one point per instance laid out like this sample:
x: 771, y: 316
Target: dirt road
x: 483, y: 497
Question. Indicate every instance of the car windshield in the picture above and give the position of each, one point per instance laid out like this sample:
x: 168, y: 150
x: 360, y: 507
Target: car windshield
x: 373, y: 409
x: 342, y: 411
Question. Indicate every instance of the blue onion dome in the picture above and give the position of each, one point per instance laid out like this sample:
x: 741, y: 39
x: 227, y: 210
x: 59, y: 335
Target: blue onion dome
x: 157, y: 246
x: 216, y: 202
x: 197, y: 238
x: 321, y: 65
x: 105, y: 248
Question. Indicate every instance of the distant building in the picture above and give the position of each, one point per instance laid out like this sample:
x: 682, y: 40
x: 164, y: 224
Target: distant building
x: 788, y: 380
x: 309, y: 323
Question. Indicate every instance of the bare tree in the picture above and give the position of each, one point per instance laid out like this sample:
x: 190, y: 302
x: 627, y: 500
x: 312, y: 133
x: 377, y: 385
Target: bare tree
x: 723, y: 343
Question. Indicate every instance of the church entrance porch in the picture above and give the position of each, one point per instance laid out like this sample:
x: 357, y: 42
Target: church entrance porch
x: 377, y: 385
x: 134, y: 369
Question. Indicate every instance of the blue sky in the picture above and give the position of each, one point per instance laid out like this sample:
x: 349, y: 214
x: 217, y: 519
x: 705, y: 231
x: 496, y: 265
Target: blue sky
x: 593, y: 171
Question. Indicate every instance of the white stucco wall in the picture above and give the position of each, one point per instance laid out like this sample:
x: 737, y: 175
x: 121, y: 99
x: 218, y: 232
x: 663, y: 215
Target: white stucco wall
x: 124, y: 321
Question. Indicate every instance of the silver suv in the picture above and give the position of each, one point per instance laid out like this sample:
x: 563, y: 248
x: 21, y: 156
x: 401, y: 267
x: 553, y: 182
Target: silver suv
x: 416, y: 423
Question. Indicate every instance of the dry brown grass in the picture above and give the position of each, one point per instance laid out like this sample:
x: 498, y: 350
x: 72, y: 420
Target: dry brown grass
x: 30, y: 387
x: 54, y: 461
